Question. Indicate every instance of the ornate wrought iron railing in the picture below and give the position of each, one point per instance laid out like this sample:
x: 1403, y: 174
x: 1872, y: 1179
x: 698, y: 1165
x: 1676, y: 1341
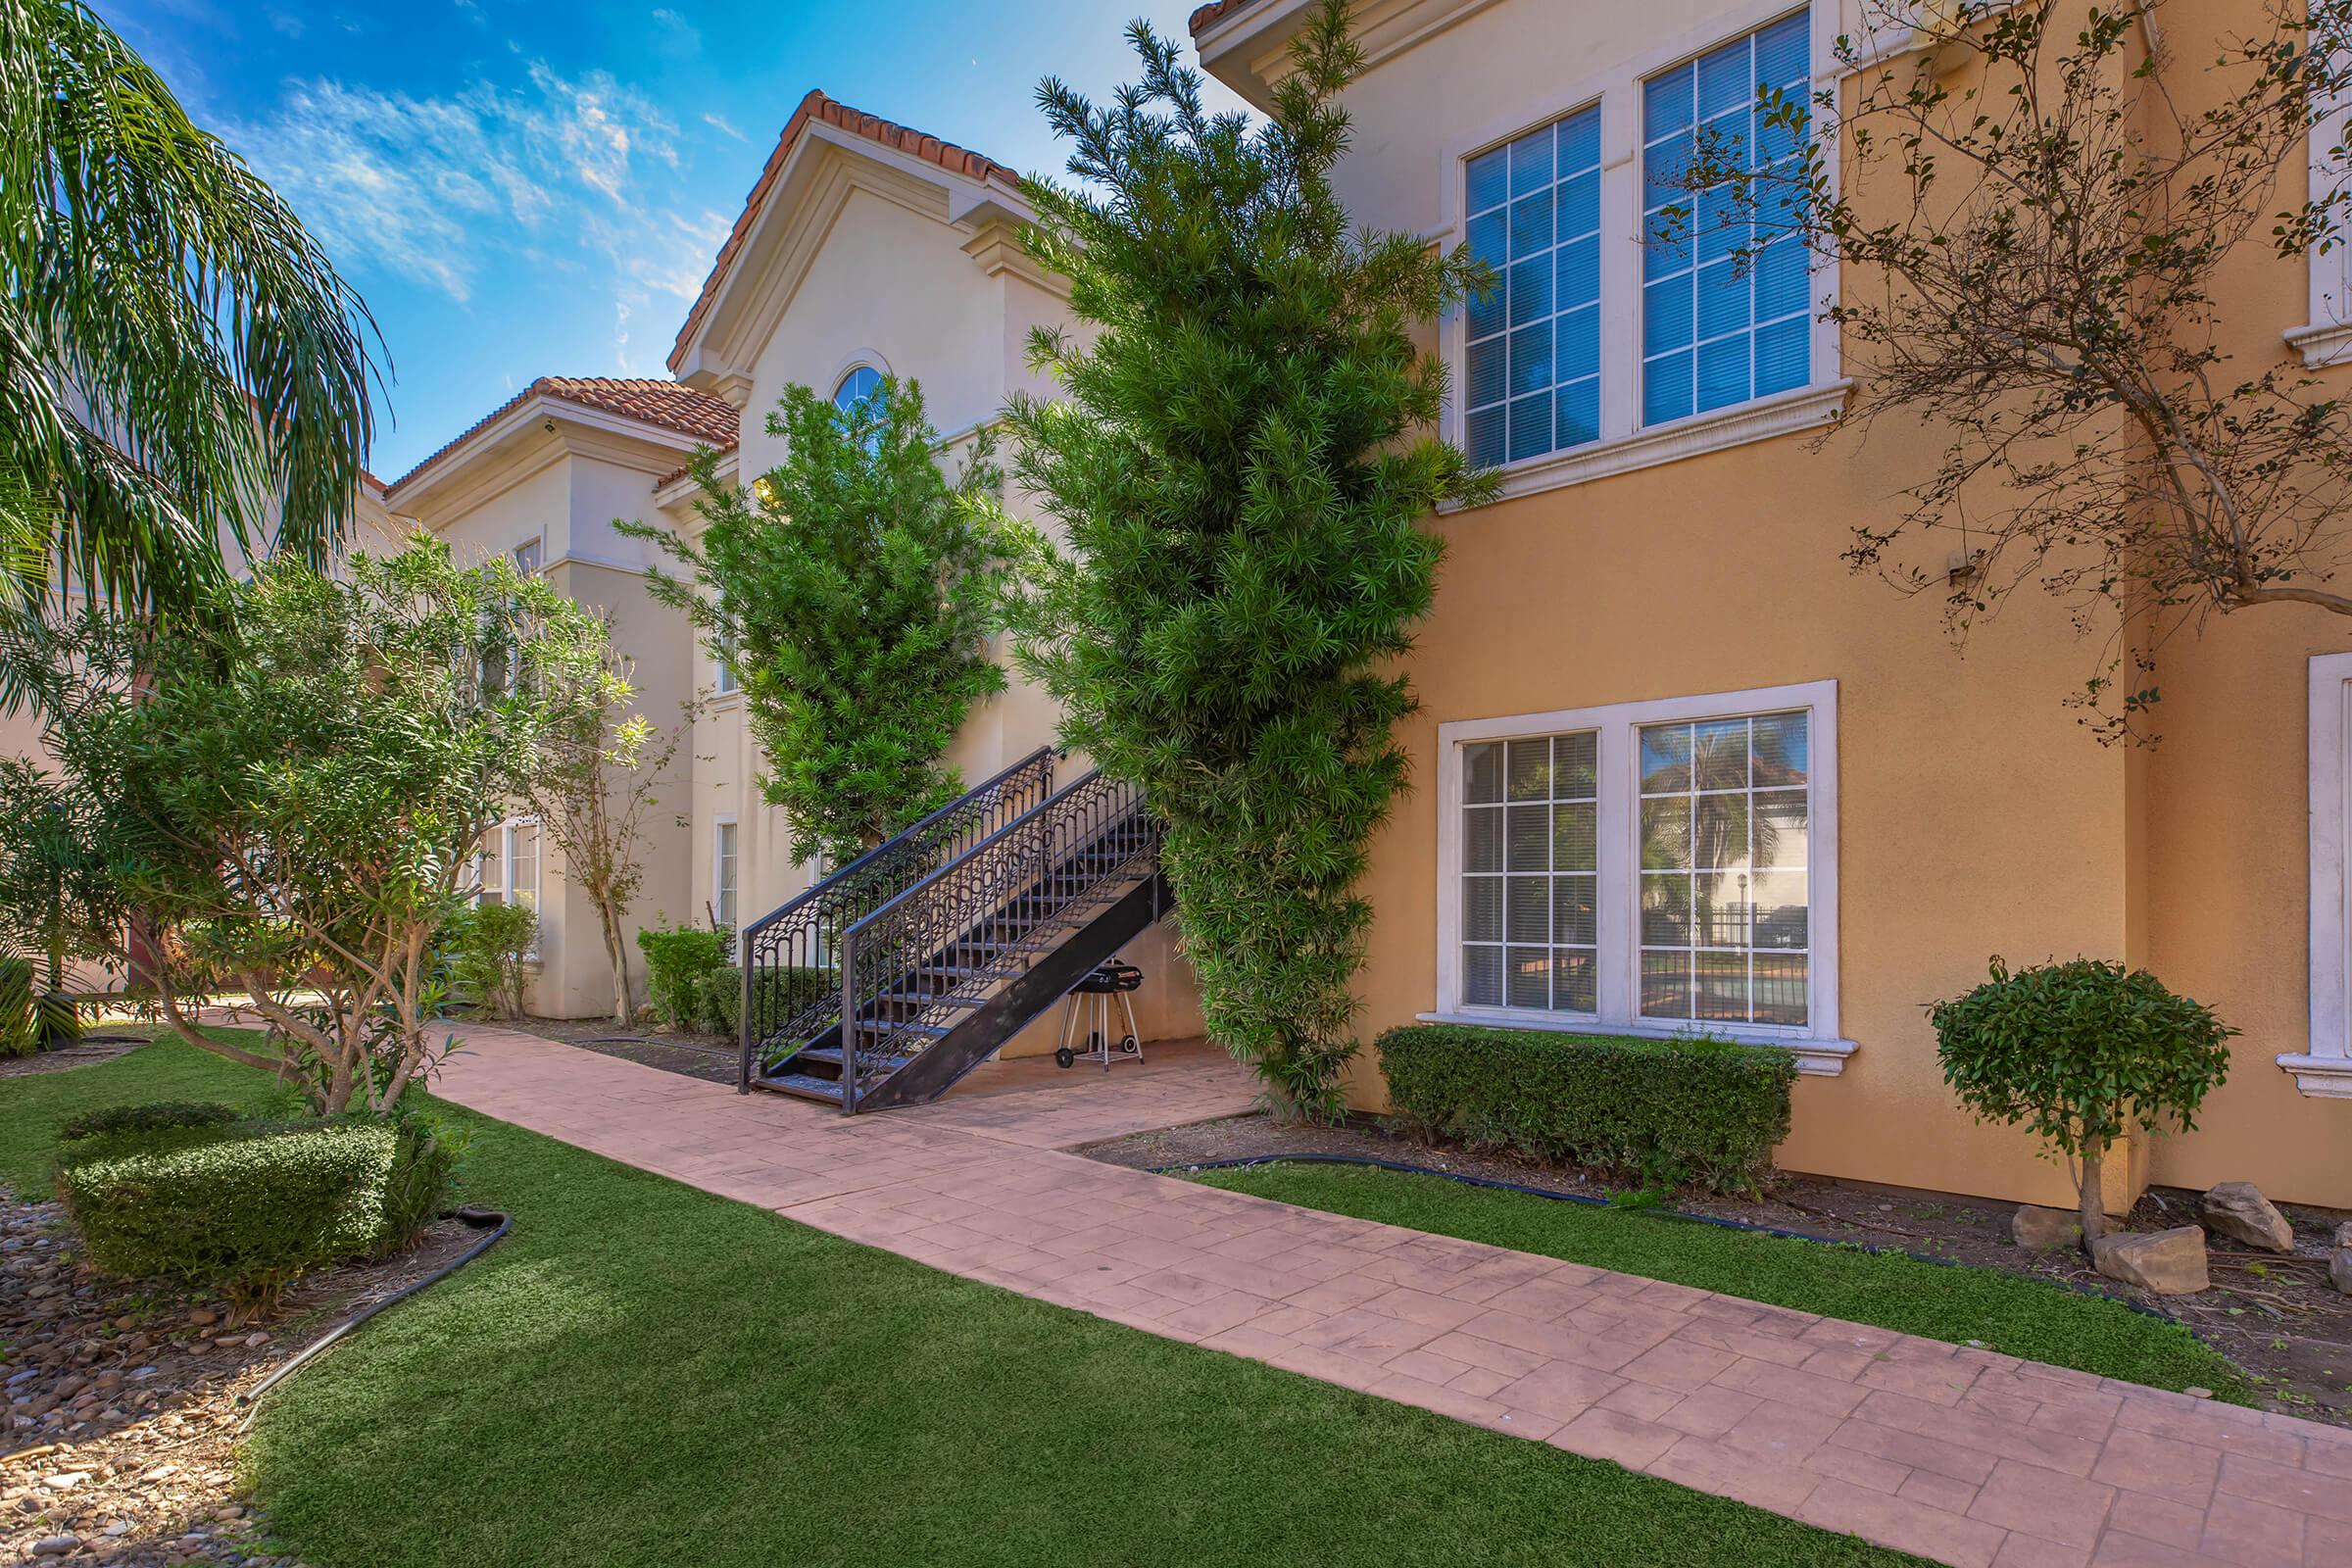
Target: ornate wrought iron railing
x: 915, y: 962
x: 790, y: 957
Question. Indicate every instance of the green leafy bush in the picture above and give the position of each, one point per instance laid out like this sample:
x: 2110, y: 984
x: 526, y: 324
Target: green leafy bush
x: 676, y: 958
x: 489, y: 948
x: 850, y: 588
x: 1666, y: 1110
x: 2081, y: 1053
x: 33, y: 1018
x: 720, y: 1007
x: 248, y: 1207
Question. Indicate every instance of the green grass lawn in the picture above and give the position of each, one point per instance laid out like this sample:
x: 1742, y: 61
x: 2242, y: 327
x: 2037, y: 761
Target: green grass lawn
x: 2030, y: 1318
x: 646, y: 1374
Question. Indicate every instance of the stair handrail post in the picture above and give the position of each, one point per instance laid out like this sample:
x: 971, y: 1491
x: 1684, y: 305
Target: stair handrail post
x: 849, y: 1021
x: 745, y: 1026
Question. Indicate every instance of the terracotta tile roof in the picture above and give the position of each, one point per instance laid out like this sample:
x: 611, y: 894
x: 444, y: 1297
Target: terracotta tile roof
x: 699, y: 414
x: 680, y: 472
x: 816, y: 105
x: 1203, y: 16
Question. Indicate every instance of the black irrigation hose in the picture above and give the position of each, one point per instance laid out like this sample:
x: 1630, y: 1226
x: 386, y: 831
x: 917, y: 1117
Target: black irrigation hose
x: 476, y: 1217
x: 1557, y: 1196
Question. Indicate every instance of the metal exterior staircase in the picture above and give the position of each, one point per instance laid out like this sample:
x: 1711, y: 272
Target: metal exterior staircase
x: 939, y: 946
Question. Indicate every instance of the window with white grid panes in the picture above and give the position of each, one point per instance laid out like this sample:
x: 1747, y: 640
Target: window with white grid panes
x: 1532, y: 380
x: 1725, y: 837
x: 1726, y: 311
x: 1529, y: 869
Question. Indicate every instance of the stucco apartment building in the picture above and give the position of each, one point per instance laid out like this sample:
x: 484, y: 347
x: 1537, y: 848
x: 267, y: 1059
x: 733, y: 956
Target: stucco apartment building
x: 1651, y: 626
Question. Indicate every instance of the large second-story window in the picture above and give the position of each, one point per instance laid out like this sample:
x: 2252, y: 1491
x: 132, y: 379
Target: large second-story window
x: 1724, y: 309
x: 1532, y: 380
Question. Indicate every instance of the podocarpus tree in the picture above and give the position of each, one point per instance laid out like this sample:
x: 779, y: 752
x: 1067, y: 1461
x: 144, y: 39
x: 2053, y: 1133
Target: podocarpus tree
x: 2029, y: 204
x: 294, y: 783
x: 1241, y: 458
x: 2079, y: 1054
x: 596, y: 779
x: 850, y: 589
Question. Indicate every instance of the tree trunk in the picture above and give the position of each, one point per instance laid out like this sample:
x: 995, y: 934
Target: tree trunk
x: 2093, y: 1213
x: 610, y: 915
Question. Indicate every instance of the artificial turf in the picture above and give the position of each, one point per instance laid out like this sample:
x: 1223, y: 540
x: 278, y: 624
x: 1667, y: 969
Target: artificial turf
x: 646, y: 1374
x: 2038, y: 1320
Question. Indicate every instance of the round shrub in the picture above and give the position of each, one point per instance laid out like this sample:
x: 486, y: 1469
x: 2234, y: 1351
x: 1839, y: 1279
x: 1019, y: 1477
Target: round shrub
x: 676, y: 960
x: 248, y: 1207
x: 2080, y: 1053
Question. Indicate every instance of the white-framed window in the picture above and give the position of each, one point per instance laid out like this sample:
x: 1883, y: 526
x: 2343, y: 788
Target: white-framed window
x: 529, y: 555
x: 1661, y: 346
x: 1647, y: 867
x: 1722, y: 321
x: 723, y: 872
x: 723, y: 666
x: 2324, y: 1067
x: 506, y: 863
x: 2326, y: 338
x: 1531, y: 366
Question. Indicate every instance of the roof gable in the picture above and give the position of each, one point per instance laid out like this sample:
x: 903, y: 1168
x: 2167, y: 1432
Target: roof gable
x: 819, y: 109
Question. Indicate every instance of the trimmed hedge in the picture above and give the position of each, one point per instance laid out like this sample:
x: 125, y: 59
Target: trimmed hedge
x: 719, y: 1007
x: 163, y: 1116
x: 247, y: 1208
x: 676, y: 959
x: 1664, y: 1110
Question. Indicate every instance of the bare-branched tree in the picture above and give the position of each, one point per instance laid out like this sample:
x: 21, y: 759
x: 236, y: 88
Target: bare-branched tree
x: 2031, y: 204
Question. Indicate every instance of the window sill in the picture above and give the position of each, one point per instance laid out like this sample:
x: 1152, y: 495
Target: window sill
x: 1782, y: 414
x: 2321, y: 1077
x: 1817, y: 1059
x: 2321, y: 346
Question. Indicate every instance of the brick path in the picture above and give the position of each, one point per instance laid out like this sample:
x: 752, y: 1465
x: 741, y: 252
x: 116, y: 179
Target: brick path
x: 1965, y: 1457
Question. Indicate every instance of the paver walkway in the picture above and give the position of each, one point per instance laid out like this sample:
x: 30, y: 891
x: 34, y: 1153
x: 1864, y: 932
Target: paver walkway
x: 1964, y: 1456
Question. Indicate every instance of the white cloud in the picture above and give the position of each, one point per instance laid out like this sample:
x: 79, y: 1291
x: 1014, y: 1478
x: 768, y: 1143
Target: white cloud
x: 434, y: 189
x: 677, y: 35
x: 724, y: 126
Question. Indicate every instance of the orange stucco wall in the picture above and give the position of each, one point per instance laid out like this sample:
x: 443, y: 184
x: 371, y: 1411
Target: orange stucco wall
x: 1976, y: 816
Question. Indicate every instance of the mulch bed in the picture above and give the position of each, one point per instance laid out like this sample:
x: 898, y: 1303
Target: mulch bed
x: 715, y: 1059
x: 121, y: 1397
x: 2273, y: 1314
x: 99, y: 1046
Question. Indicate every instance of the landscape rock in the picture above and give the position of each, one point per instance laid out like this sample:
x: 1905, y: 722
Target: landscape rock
x: 2339, y: 1263
x: 54, y: 1545
x: 2168, y: 1262
x: 2042, y: 1230
x: 2239, y: 1211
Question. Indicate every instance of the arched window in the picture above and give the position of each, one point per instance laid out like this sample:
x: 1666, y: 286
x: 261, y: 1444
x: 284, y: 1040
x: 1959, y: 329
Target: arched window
x: 856, y: 389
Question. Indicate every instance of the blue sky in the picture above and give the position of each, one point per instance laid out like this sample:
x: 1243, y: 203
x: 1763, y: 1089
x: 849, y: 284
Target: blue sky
x: 521, y: 188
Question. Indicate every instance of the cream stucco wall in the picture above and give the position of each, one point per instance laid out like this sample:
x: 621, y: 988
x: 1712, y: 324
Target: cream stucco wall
x: 562, y: 488
x: 869, y: 269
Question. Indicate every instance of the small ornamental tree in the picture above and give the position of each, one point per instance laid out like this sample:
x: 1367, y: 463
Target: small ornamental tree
x: 293, y: 785
x: 597, y: 778
x: 850, y: 589
x: 2032, y: 206
x: 1242, y: 463
x: 2080, y: 1053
